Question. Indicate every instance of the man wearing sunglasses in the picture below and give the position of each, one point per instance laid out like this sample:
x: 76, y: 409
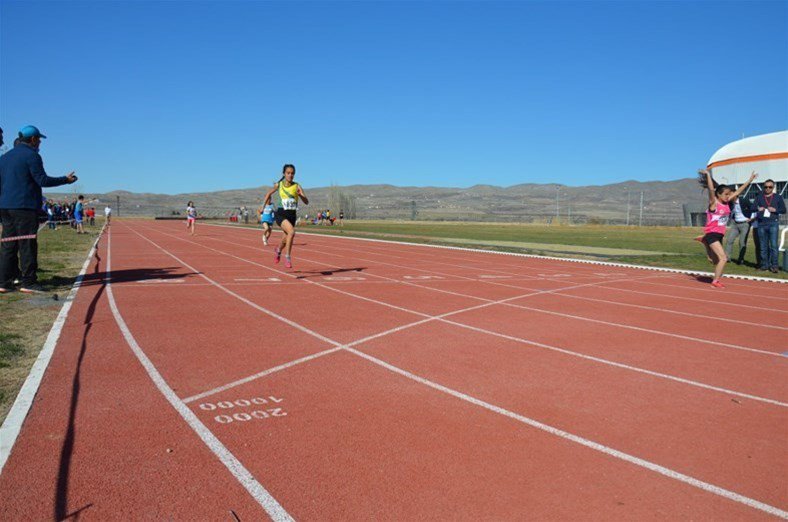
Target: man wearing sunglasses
x: 770, y: 206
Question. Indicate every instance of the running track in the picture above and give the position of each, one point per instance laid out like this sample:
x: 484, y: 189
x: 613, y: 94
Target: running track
x: 194, y: 379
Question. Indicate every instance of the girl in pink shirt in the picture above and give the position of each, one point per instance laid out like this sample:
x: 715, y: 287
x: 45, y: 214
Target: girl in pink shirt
x: 717, y: 216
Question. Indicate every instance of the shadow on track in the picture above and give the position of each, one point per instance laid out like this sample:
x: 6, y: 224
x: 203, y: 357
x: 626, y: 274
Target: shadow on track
x: 136, y: 275
x: 700, y: 278
x: 61, y: 492
x: 316, y: 273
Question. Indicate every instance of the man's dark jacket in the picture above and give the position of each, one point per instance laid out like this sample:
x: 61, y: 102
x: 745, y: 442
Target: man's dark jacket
x: 22, y: 176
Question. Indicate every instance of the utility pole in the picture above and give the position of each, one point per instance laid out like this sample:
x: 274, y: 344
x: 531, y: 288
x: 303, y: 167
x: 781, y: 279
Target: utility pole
x: 557, y: 213
x: 640, y: 224
x: 117, y: 213
x: 628, y: 205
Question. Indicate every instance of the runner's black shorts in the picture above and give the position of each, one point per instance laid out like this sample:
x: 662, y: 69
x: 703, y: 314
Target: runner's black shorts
x: 712, y: 237
x: 285, y: 215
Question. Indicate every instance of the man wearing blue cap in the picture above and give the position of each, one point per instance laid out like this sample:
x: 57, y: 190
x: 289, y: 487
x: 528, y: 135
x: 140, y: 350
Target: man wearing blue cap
x: 22, y: 176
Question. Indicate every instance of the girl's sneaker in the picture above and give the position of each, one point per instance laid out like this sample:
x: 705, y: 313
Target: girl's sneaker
x: 278, y: 254
x: 717, y: 284
x: 288, y: 264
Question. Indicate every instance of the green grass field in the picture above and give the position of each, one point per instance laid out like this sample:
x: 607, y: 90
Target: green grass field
x: 25, y: 320
x: 670, y: 247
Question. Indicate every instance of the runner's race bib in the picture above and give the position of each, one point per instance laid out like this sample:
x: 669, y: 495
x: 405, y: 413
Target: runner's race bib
x: 290, y: 204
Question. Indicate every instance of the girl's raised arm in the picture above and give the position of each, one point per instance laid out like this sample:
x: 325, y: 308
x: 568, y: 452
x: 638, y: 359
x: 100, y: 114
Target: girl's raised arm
x: 709, y: 186
x: 745, y: 185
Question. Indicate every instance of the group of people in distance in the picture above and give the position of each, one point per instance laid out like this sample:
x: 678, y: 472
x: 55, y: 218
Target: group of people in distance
x: 726, y: 210
x: 324, y: 217
x: 285, y: 215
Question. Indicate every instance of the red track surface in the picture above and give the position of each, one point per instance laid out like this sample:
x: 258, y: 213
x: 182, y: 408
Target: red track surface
x: 492, y: 387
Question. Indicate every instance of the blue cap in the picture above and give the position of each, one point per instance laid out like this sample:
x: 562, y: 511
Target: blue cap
x: 29, y: 131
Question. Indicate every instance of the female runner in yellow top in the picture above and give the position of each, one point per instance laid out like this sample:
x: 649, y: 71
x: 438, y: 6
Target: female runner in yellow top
x: 289, y: 192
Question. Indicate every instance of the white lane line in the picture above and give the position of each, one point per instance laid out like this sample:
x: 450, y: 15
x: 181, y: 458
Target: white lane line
x: 667, y: 472
x: 621, y: 365
x: 683, y: 298
x: 669, y: 311
x: 588, y: 319
x: 641, y: 329
x: 553, y: 258
x: 244, y: 477
x: 514, y: 277
x: 259, y: 375
x: 711, y: 290
x: 705, y: 486
x: 12, y: 425
x: 523, y: 307
x: 488, y: 303
x: 298, y: 326
x: 670, y: 296
x: 560, y: 294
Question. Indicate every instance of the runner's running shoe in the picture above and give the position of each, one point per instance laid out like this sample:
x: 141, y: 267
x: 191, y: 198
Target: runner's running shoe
x: 288, y: 264
x: 717, y: 284
x: 278, y: 254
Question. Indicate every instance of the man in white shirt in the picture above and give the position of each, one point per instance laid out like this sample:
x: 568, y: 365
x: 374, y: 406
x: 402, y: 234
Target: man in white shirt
x: 107, y: 214
x: 738, y: 227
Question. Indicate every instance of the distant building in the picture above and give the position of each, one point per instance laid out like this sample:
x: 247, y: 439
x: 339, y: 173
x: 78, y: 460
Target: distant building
x: 766, y: 154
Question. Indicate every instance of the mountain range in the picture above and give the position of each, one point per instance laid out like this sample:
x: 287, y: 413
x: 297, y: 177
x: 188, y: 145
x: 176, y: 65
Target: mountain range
x: 529, y: 202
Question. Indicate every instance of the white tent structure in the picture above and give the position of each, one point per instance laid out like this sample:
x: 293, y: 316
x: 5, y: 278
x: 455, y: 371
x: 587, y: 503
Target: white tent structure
x: 766, y: 154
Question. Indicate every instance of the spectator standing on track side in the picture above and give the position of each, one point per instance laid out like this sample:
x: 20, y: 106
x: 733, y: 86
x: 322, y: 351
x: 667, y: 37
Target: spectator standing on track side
x: 22, y: 176
x: 738, y: 226
x: 51, y: 216
x: 107, y: 214
x: 91, y: 213
x: 770, y: 206
x: 79, y: 212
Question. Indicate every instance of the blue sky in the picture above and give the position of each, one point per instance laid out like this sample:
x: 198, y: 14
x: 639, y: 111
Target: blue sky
x: 188, y: 96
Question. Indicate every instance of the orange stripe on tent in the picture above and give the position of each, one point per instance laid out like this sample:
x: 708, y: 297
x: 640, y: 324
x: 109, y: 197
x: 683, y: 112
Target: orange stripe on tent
x: 748, y: 159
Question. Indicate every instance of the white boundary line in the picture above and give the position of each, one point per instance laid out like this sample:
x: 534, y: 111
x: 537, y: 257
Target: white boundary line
x: 244, y: 477
x: 12, y: 425
x: 553, y: 258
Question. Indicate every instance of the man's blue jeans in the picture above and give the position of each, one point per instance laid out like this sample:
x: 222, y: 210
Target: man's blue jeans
x: 767, y: 232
